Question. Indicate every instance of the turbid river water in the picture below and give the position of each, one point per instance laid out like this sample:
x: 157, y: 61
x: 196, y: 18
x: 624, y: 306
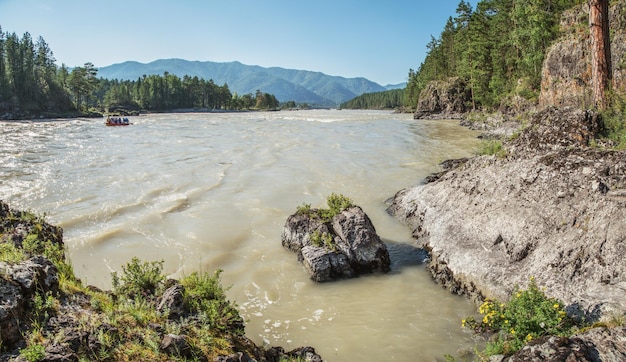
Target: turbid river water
x: 212, y: 191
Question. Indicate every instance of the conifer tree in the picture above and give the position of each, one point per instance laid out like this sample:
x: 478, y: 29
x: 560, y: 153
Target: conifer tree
x: 600, y: 50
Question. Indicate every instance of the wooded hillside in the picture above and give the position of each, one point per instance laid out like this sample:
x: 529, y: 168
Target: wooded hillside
x: 498, y: 47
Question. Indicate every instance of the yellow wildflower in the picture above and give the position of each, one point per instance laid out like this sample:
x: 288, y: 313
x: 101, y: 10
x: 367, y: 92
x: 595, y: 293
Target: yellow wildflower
x: 512, y: 331
x: 529, y: 337
x: 556, y: 306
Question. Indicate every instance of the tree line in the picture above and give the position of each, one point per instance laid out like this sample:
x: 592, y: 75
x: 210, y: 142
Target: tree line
x: 32, y: 84
x: 391, y: 99
x: 498, y: 47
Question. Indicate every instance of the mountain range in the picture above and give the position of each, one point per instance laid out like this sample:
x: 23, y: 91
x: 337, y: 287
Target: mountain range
x: 301, y: 86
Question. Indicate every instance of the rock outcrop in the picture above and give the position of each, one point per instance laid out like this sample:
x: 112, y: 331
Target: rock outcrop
x: 444, y: 99
x: 566, y: 73
x: 345, y: 247
x: 554, y: 209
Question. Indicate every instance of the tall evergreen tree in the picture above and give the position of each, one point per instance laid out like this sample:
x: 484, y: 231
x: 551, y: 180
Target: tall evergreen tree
x: 600, y: 50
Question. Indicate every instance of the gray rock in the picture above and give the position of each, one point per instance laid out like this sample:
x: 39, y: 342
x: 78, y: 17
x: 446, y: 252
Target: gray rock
x: 172, y: 301
x: 595, y: 345
x: 11, y: 311
x: 176, y: 345
x: 357, y: 248
x: 492, y: 223
x: 325, y: 265
x: 443, y: 99
x: 357, y: 238
x: 35, y: 273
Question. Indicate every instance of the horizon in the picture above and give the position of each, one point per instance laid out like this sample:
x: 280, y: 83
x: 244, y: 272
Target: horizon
x: 377, y: 40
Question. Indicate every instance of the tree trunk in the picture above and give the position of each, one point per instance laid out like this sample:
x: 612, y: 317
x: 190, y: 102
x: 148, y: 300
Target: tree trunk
x: 600, y: 50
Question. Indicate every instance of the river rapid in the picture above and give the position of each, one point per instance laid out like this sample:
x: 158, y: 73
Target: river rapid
x: 207, y: 191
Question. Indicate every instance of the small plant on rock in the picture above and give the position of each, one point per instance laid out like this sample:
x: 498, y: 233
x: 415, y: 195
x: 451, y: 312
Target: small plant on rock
x: 323, y: 239
x: 336, y: 204
x: 138, y: 279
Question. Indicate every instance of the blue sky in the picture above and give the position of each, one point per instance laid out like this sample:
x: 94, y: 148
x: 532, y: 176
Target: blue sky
x: 376, y: 39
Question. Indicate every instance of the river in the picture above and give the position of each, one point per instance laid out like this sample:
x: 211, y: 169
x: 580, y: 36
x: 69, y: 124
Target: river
x: 207, y: 191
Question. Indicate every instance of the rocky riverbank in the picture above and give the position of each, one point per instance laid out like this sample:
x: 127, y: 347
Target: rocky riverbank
x: 553, y: 209
x: 46, y: 314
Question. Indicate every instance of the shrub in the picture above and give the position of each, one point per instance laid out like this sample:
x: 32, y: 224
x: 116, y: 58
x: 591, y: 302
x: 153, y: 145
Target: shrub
x: 204, y: 295
x: 336, y: 204
x: 304, y: 209
x: 528, y: 315
x: 138, y: 279
x: 492, y: 147
x: 33, y: 353
x: 325, y: 239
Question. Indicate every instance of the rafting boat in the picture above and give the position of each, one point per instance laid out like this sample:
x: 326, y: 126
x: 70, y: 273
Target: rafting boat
x: 117, y: 121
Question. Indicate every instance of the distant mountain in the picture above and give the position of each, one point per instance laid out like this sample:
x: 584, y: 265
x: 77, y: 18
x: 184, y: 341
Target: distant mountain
x: 395, y: 86
x: 301, y: 86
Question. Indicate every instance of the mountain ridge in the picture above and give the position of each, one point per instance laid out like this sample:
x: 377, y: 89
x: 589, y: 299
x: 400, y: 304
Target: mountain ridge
x: 301, y: 86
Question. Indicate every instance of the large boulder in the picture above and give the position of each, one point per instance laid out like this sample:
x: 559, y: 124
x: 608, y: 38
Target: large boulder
x: 345, y: 247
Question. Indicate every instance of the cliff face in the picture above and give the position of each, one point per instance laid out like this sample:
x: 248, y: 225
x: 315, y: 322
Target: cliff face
x: 444, y: 99
x: 566, y: 73
x: 553, y: 209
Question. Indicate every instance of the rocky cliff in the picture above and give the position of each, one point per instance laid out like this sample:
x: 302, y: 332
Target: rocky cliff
x: 553, y: 209
x: 566, y: 73
x: 444, y: 99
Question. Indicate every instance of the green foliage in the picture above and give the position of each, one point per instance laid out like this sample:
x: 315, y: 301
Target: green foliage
x: 33, y: 353
x: 391, y: 99
x: 528, y: 315
x: 43, y: 306
x: 138, y: 279
x: 11, y: 254
x: 304, y: 209
x: 614, y: 120
x: 492, y: 147
x: 323, y: 239
x: 337, y: 203
x: 204, y: 295
x: 496, y: 47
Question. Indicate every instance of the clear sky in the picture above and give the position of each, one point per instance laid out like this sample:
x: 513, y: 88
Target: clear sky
x: 376, y: 39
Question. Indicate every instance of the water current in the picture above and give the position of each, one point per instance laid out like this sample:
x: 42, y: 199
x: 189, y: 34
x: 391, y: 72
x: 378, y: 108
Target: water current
x: 207, y: 191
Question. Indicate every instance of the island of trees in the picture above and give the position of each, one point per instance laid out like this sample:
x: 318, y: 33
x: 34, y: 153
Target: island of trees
x: 32, y: 85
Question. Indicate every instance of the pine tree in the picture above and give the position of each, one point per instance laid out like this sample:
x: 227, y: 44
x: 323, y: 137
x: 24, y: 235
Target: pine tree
x: 600, y: 50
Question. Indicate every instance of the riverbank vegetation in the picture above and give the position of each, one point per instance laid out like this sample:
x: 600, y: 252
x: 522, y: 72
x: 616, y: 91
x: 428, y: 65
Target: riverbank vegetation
x: 528, y: 315
x: 32, y: 85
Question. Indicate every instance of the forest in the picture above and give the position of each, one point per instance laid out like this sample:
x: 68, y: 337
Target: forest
x: 391, y: 99
x: 498, y: 47
x: 31, y: 84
